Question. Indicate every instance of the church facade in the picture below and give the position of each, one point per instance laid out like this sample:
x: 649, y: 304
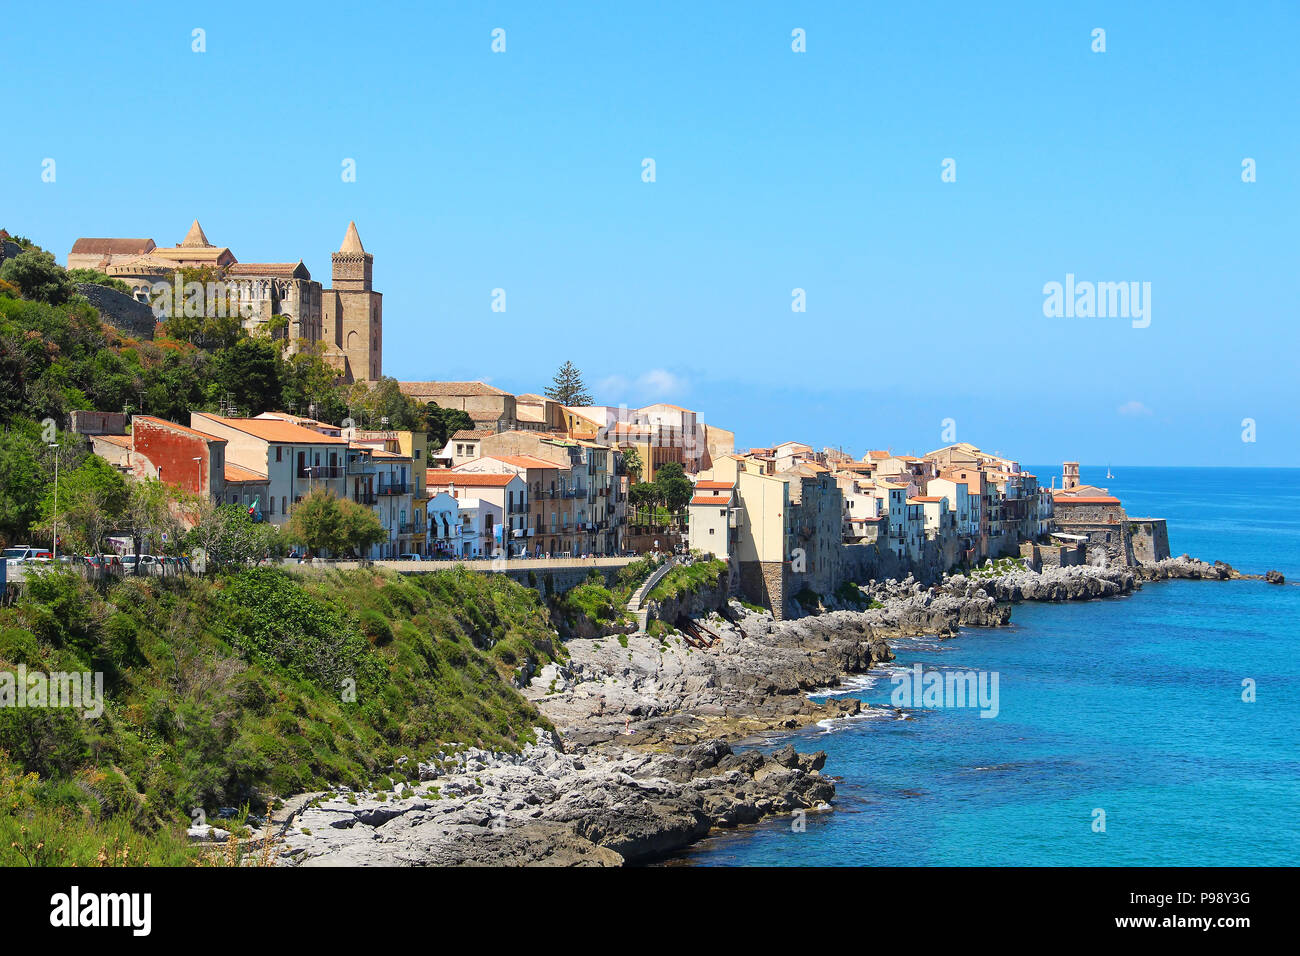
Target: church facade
x: 278, y: 298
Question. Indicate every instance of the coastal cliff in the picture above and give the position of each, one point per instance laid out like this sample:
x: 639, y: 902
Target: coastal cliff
x: 641, y: 764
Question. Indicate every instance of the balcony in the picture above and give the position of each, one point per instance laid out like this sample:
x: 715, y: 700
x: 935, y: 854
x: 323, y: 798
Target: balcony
x: 402, y: 489
x: 321, y: 471
x: 365, y: 498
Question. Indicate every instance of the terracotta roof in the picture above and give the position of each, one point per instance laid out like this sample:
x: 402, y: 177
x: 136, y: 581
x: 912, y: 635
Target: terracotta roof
x: 274, y: 430
x: 526, y: 461
x: 442, y: 477
x: 466, y: 433
x: 927, y: 499
x: 123, y: 441
x: 176, y: 426
x: 449, y: 388
x: 278, y: 270
x: 878, y: 454
x: 183, y: 253
x: 238, y: 474
x: 302, y: 420
x: 1085, y: 500
x: 112, y: 247
x: 706, y: 500
x: 715, y: 484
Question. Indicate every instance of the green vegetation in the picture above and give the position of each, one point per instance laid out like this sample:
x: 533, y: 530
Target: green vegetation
x: 233, y: 690
x: 663, y: 500
x: 590, y: 600
x: 808, y: 599
x: 323, y: 522
x: 850, y: 593
x: 687, y: 579
x: 999, y: 568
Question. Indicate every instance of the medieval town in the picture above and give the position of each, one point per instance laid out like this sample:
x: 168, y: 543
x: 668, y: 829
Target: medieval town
x: 538, y: 479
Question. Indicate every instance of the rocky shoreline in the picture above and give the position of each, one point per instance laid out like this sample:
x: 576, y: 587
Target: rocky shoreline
x: 640, y: 764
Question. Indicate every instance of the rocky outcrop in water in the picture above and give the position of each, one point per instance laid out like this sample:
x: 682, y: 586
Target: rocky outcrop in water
x: 548, y: 807
x: 1081, y: 583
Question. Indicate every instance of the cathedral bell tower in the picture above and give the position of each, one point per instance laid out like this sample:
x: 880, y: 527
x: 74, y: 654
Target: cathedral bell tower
x: 353, y: 311
x: 352, y: 264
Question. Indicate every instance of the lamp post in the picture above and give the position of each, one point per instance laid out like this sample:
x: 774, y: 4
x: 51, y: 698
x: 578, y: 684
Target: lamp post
x: 198, y: 460
x: 56, y: 447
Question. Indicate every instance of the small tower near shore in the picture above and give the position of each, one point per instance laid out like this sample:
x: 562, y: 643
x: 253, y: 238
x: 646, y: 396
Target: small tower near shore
x: 1070, y: 475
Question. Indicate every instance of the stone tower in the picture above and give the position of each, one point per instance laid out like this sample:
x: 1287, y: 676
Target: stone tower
x: 353, y: 311
x: 1070, y: 475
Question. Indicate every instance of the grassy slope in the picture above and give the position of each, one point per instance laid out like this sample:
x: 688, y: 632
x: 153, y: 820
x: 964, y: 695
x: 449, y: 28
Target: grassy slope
x: 687, y: 579
x: 229, y: 692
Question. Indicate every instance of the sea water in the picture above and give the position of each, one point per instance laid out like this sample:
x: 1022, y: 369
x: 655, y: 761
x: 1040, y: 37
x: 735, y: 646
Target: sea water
x: 1122, y: 736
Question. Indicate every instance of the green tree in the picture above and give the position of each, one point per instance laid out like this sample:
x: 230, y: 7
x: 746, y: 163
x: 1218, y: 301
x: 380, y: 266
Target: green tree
x: 208, y: 311
x: 38, y: 277
x: 91, y: 500
x: 675, y: 488
x: 95, y: 277
x: 24, y: 479
x: 632, y: 463
x: 248, y: 372
x: 370, y: 403
x: 150, y: 516
x: 441, y: 423
x: 228, y: 536
x: 645, y: 497
x: 308, y: 384
x: 322, y: 522
x: 567, y: 388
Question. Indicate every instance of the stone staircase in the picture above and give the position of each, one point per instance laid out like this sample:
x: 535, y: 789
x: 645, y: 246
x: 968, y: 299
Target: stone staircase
x: 636, y: 606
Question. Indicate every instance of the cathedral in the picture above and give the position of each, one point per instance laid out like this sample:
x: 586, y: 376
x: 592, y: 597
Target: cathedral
x: 278, y: 297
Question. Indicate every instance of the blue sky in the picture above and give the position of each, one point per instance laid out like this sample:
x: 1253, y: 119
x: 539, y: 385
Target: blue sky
x: 774, y: 171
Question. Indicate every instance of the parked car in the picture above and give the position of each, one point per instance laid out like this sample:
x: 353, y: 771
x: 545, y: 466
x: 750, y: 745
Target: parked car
x: 409, y: 556
x: 148, y: 564
x: 22, y: 553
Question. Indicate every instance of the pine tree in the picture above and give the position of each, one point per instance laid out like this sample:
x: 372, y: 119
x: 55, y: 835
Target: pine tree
x: 568, y: 388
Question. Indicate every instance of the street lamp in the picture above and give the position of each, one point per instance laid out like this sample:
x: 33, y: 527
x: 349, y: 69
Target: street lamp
x: 56, y: 447
x: 198, y: 459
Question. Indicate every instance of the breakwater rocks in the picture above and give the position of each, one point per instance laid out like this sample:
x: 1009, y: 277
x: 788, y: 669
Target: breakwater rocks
x: 548, y: 807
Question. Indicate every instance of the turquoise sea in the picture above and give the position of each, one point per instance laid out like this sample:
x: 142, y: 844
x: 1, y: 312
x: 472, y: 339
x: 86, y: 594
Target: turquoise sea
x: 1131, y: 706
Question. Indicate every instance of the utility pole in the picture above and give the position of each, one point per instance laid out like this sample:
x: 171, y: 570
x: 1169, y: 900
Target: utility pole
x: 56, y: 447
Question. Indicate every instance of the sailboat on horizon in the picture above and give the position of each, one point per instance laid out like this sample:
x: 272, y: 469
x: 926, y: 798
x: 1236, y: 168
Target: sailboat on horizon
x: 1108, y: 474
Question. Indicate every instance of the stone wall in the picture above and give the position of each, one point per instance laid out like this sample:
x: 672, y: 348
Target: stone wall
x: 1039, y: 556
x: 1150, y: 539
x: 547, y: 581
x: 119, y: 310
x: 763, y: 583
x: 644, y: 542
